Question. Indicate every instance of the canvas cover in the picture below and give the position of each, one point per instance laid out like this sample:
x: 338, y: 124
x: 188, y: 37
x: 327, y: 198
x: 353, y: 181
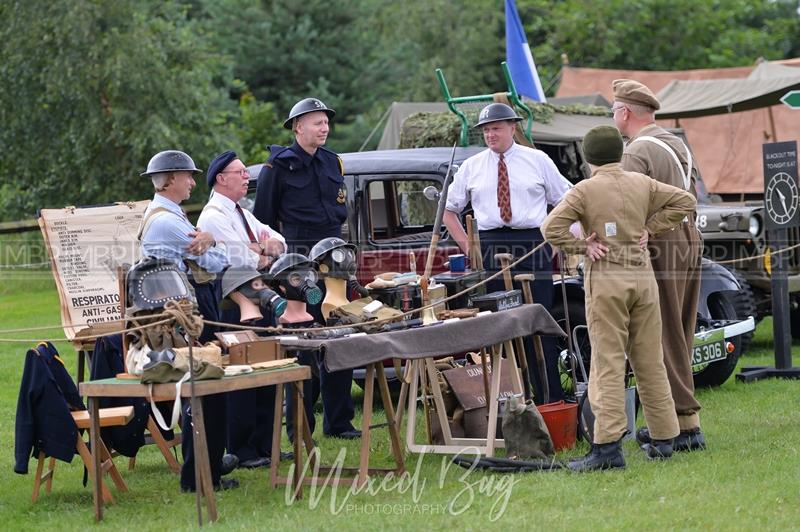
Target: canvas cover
x: 727, y: 146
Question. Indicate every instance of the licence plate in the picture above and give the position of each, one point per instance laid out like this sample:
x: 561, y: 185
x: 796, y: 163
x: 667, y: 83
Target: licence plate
x: 710, y: 349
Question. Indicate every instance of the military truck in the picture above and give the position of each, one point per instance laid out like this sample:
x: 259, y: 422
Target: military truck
x: 389, y: 217
x: 733, y: 232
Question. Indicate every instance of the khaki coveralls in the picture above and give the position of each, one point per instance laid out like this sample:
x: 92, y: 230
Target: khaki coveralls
x: 675, y: 256
x: 622, y: 304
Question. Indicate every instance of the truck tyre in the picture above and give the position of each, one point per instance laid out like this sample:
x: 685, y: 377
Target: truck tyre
x: 744, y: 304
x: 722, y: 306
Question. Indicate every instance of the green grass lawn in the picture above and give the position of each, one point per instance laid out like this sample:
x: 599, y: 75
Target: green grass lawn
x: 749, y: 478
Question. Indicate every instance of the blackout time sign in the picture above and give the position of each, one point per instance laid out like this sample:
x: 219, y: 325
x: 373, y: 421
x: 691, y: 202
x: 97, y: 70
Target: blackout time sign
x: 781, y: 193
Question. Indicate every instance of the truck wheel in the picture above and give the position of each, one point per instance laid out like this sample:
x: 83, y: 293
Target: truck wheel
x: 722, y: 306
x: 744, y: 304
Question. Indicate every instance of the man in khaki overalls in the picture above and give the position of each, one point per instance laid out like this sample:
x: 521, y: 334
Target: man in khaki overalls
x: 675, y: 255
x: 618, y: 209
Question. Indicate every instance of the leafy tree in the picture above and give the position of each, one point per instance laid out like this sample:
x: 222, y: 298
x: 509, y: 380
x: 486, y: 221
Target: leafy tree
x: 91, y: 90
x: 659, y: 34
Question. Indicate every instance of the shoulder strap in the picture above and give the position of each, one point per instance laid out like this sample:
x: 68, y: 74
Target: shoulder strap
x: 687, y: 175
x: 147, y: 221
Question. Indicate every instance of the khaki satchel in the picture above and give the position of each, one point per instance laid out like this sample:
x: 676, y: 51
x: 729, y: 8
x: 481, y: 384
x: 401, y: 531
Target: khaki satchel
x: 177, y: 371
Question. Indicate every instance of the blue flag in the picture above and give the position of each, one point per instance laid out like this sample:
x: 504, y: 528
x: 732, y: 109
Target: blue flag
x: 519, y: 57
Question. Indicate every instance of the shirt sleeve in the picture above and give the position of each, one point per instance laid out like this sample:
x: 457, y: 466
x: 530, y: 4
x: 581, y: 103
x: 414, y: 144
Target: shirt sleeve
x: 168, y: 239
x: 457, y: 194
x: 556, y: 185
x: 556, y: 227
x: 270, y: 231
x: 668, y: 206
x: 238, y: 251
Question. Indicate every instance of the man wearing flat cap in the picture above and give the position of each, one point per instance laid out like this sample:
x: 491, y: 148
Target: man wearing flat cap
x: 249, y: 244
x: 675, y: 255
x: 617, y: 209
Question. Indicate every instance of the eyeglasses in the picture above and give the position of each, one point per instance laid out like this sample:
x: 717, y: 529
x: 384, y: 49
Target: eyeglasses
x: 615, y: 109
x: 242, y: 173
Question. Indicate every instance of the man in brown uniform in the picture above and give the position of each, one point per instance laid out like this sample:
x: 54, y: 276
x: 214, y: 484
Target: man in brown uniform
x: 615, y: 208
x: 675, y: 255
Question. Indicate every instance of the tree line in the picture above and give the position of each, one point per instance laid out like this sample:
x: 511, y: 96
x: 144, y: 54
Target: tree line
x: 91, y: 89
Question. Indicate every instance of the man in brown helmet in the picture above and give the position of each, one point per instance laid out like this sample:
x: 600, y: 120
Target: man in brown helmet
x: 675, y: 255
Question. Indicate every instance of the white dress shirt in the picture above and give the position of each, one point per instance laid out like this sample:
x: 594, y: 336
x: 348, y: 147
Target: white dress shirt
x: 534, y: 182
x: 219, y: 217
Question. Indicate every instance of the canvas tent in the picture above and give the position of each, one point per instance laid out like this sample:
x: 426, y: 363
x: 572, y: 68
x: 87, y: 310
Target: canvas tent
x: 727, y: 146
x: 562, y: 127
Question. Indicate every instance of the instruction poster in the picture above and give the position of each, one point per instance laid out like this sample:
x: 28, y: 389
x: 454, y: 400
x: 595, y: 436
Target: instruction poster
x: 86, y: 246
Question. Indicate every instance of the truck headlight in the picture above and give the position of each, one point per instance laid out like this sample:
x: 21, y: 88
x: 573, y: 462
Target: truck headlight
x: 755, y: 226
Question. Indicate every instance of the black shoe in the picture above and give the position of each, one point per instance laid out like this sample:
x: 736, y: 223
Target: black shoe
x: 687, y: 440
x: 254, y: 463
x: 287, y: 456
x: 346, y: 435
x: 658, y: 449
x: 224, y: 484
x: 601, y: 456
x: 229, y: 463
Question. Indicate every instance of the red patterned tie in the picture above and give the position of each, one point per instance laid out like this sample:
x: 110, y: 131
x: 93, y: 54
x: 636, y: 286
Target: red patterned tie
x: 250, y: 234
x: 503, y: 190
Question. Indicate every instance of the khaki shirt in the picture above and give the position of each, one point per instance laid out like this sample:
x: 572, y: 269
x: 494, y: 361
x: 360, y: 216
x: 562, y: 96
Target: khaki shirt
x: 650, y: 159
x: 618, y: 206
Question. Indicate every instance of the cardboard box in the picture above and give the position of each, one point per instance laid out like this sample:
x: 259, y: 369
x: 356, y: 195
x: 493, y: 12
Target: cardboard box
x: 246, y: 347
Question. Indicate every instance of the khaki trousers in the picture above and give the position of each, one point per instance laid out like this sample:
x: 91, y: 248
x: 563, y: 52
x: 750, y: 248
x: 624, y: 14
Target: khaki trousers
x: 623, y: 316
x: 675, y: 256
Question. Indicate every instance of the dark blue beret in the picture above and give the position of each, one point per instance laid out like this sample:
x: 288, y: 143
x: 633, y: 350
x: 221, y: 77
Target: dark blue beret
x: 218, y: 165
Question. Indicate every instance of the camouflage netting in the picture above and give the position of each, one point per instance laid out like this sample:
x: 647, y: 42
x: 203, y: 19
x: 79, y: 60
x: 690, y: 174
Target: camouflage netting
x: 425, y: 130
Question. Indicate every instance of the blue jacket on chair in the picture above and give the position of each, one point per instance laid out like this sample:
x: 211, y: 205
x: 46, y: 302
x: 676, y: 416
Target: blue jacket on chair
x: 47, y: 394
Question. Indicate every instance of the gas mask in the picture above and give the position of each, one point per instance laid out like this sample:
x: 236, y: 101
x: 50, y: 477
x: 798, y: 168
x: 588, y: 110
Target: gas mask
x: 151, y: 284
x: 246, y: 288
x: 295, y: 275
x: 336, y: 258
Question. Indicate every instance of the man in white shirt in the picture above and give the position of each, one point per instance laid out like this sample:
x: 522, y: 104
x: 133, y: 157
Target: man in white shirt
x: 510, y: 187
x: 249, y: 244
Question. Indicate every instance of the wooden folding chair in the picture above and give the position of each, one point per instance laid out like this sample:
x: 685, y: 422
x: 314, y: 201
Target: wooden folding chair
x: 164, y: 445
x: 109, y: 417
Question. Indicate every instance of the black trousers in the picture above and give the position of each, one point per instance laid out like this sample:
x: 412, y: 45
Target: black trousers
x: 250, y: 412
x: 208, y: 296
x: 518, y: 242
x: 334, y: 387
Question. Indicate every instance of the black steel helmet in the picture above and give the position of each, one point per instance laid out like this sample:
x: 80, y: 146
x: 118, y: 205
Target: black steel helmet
x: 307, y: 105
x: 233, y: 278
x: 290, y: 260
x: 170, y: 161
x: 327, y: 244
x: 495, y: 112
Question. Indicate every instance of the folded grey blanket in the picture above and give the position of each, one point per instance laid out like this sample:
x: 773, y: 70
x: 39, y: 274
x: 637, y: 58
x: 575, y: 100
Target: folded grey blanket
x: 433, y: 340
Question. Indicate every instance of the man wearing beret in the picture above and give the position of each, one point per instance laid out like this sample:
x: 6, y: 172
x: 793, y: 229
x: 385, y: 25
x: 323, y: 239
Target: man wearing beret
x: 250, y: 244
x: 510, y: 187
x: 618, y: 210
x: 675, y: 255
x: 301, y: 187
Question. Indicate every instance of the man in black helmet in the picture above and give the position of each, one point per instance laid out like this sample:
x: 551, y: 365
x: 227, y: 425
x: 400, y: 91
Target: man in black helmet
x: 301, y: 189
x: 510, y: 187
x: 166, y: 233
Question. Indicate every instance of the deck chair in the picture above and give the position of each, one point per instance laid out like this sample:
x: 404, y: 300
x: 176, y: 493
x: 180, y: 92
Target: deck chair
x: 109, y: 417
